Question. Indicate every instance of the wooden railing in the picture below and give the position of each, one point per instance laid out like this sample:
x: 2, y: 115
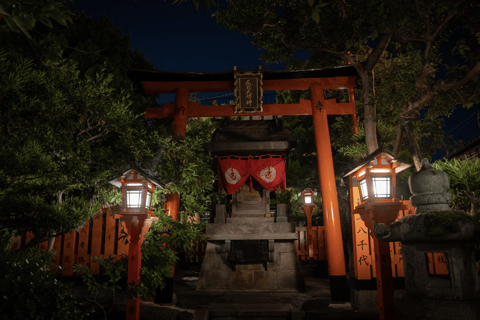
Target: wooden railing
x: 317, y: 243
x: 99, y: 237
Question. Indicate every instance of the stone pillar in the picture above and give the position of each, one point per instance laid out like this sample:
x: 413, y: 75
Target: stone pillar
x: 431, y: 296
x: 331, y: 215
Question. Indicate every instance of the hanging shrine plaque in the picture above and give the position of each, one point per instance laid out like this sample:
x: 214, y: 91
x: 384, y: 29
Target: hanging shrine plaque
x: 248, y: 92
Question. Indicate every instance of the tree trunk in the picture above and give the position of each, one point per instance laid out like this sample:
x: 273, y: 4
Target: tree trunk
x: 413, y: 145
x: 370, y: 111
x: 398, y: 140
x: 51, y: 241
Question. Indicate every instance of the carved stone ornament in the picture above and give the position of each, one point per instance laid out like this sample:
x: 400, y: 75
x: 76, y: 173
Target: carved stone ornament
x: 429, y: 189
x: 248, y: 92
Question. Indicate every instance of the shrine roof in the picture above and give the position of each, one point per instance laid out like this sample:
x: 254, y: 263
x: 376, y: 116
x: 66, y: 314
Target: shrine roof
x: 251, y: 137
x: 170, y: 76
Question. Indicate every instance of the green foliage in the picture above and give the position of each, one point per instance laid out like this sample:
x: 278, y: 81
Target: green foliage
x: 464, y: 177
x: 111, y: 273
x: 69, y: 118
x: 30, y: 290
x: 405, y: 74
x: 186, y: 168
x: 165, y: 238
x: 21, y: 16
x: 291, y: 198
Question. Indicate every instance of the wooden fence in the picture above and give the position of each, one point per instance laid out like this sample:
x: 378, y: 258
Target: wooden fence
x: 318, y: 243
x: 99, y: 237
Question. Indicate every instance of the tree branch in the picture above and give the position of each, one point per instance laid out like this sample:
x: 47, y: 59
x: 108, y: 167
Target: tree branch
x: 434, y: 90
x: 377, y: 52
x: 429, y: 39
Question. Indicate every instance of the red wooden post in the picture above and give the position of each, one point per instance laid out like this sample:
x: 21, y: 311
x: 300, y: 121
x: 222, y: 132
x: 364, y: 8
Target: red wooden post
x: 384, y: 278
x: 308, y: 213
x: 135, y: 227
x: 179, y: 124
x: 96, y: 248
x: 331, y: 215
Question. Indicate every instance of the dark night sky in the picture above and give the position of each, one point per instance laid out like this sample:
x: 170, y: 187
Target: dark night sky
x: 180, y: 38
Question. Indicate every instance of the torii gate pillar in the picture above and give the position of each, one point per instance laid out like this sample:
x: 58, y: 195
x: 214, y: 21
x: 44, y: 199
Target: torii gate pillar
x: 331, y: 215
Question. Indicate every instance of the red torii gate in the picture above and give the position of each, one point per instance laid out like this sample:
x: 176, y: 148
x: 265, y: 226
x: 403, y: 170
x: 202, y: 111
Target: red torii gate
x: 317, y: 80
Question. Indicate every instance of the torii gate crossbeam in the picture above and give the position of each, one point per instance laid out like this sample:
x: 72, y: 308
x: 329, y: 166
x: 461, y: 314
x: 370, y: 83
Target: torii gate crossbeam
x: 316, y: 81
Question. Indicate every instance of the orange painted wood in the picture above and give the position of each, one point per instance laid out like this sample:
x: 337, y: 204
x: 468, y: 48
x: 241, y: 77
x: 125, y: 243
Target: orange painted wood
x: 96, y: 250
x: 109, y: 235
x: 151, y: 87
x: 331, y: 214
x: 179, y: 123
x: 440, y: 263
x: 431, y: 266
x: 194, y: 110
x: 362, y: 251
x: 383, y: 267
x: 122, y: 247
x: 82, y: 252
x: 375, y: 257
x: 28, y: 237
x: 68, y: 257
x: 392, y: 258
x: 321, y: 243
x: 398, y: 253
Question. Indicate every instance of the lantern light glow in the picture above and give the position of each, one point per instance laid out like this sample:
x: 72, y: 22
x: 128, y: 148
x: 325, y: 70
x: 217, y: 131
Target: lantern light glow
x: 308, y: 199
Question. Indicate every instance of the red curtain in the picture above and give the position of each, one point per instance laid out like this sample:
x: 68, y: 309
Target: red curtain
x: 269, y: 172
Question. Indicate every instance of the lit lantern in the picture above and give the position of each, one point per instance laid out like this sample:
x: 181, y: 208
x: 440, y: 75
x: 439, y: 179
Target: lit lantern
x: 307, y: 197
x: 308, y: 206
x: 375, y: 177
x: 136, y: 216
x: 372, y: 197
x: 137, y: 192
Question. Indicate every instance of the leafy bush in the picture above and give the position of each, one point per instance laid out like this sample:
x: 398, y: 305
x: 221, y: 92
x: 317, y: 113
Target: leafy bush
x: 290, y: 196
x: 464, y: 176
x: 111, y: 273
x: 29, y: 290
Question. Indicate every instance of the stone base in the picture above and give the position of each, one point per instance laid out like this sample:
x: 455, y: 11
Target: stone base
x: 282, y: 274
x: 409, y: 308
x: 227, y: 311
x: 364, y: 301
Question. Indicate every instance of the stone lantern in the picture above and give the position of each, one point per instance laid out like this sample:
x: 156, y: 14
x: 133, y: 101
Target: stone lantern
x: 430, y: 296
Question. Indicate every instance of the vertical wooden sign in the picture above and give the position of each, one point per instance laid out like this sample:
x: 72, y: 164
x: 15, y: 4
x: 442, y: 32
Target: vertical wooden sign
x: 109, y: 235
x: 361, y: 251
x: 82, y: 252
x: 96, y: 250
x: 122, y: 245
x: 68, y: 257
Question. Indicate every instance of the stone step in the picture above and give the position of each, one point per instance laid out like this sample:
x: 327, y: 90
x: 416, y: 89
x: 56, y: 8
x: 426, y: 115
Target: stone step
x: 250, y: 311
x: 243, y: 208
x: 253, y: 219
